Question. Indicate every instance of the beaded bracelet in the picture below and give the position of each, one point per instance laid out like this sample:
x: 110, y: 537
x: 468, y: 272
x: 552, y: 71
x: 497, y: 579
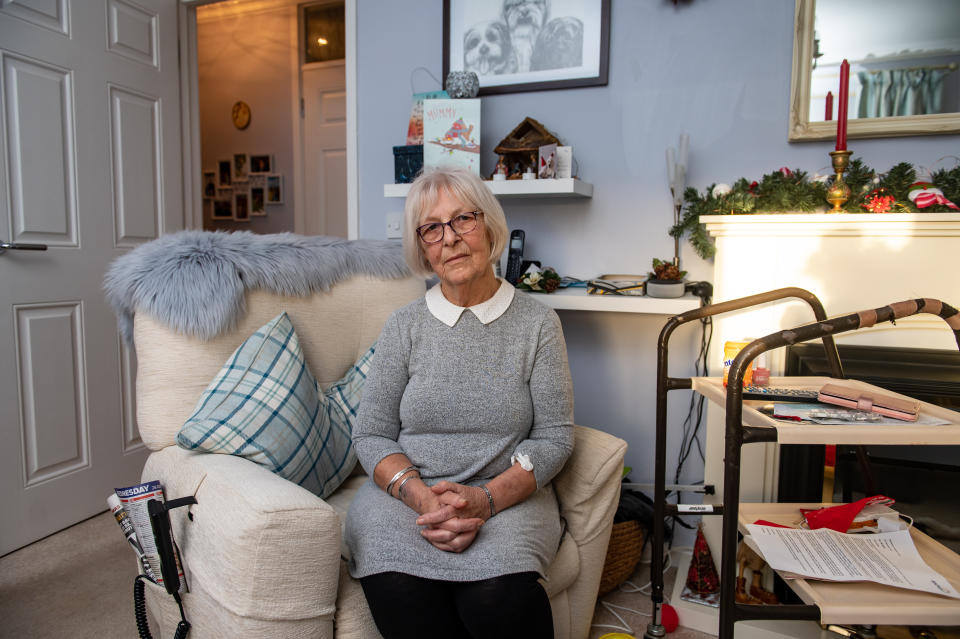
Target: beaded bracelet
x: 398, y: 476
x: 493, y: 511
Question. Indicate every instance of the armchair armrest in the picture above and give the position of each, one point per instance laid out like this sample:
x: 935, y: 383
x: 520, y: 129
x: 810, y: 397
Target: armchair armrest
x: 588, y: 487
x: 257, y: 545
x: 588, y: 491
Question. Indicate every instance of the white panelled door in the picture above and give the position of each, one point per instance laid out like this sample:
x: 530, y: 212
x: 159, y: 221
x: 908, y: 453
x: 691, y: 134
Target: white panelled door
x: 325, y: 148
x: 90, y: 141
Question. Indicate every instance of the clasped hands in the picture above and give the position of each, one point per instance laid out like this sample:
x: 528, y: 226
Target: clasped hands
x: 452, y: 515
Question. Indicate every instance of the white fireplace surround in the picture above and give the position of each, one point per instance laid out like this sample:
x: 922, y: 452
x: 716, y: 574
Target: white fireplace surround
x: 851, y: 262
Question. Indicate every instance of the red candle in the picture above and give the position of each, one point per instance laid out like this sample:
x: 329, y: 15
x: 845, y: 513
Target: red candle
x: 829, y: 114
x: 842, y: 106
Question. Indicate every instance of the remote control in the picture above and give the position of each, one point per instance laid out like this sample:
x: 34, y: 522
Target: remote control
x: 780, y: 394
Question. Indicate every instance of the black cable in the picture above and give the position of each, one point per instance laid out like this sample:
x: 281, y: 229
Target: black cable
x: 140, y: 611
x: 184, y: 626
x: 694, y: 420
x: 140, y: 607
x: 696, y: 403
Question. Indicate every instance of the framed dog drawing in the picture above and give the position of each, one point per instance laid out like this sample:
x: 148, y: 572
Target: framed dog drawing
x: 528, y: 45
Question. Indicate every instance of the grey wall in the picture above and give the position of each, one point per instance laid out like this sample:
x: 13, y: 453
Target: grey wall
x: 244, y: 55
x: 719, y: 71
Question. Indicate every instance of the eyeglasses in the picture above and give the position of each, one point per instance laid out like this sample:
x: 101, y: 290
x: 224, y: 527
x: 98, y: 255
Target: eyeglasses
x: 461, y: 224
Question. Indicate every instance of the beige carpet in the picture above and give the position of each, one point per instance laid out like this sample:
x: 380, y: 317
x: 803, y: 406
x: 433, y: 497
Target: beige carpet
x: 638, y: 616
x: 76, y: 583
x: 79, y: 583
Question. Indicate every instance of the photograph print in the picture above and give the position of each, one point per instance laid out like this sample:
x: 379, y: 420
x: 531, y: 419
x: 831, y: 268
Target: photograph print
x: 241, y: 206
x: 224, y: 173
x: 258, y: 198
x: 261, y: 164
x: 209, y: 185
x: 241, y: 167
x: 274, y: 189
x: 527, y: 45
x: 223, y: 208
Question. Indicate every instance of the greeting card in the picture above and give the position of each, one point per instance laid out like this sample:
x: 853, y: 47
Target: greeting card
x: 451, y: 133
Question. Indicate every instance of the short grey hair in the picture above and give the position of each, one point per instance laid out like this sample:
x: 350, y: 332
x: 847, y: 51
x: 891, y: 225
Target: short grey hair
x: 467, y: 187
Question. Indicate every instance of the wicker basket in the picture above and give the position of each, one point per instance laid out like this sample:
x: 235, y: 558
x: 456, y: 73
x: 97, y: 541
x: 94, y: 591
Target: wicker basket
x: 623, y: 554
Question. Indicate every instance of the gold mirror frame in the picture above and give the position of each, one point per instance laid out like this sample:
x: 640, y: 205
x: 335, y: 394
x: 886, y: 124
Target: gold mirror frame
x: 801, y: 129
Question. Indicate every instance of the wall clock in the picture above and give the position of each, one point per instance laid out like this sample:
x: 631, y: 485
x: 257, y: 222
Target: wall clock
x: 241, y: 114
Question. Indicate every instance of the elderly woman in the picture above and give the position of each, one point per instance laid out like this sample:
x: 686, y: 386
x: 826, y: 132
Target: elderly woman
x: 466, y: 417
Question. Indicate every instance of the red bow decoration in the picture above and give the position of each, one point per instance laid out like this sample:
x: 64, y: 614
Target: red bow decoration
x: 840, y: 517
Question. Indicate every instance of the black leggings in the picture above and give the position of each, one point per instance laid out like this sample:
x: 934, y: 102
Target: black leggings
x: 507, y: 606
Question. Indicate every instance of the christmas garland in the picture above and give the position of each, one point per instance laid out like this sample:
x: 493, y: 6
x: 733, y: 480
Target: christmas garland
x: 896, y: 191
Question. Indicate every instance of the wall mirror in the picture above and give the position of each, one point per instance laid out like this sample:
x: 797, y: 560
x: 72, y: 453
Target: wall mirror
x: 904, y: 67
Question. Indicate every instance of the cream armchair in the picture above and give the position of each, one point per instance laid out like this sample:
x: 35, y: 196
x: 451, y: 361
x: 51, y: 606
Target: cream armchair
x: 263, y: 556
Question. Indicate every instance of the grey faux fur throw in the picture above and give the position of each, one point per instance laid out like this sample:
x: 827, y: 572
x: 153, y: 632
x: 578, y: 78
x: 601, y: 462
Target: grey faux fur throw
x: 195, y: 281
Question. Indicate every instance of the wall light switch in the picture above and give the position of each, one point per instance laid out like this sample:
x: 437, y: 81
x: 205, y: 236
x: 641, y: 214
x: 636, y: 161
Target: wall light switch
x: 394, y: 222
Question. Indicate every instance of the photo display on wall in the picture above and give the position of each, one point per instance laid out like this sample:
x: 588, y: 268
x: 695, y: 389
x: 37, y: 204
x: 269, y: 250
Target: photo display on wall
x: 241, y: 187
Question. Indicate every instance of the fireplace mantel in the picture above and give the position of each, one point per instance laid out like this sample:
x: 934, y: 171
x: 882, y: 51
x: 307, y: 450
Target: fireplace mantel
x: 834, y: 224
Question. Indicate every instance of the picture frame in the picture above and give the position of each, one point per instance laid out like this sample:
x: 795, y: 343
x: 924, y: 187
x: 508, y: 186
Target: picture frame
x: 274, y: 189
x: 258, y: 200
x: 222, y: 209
x: 241, y: 167
x: 569, y: 49
x: 224, y: 174
x: 261, y: 164
x: 241, y: 205
x: 209, y: 185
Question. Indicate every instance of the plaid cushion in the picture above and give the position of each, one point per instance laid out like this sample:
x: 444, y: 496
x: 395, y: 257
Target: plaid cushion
x: 265, y: 405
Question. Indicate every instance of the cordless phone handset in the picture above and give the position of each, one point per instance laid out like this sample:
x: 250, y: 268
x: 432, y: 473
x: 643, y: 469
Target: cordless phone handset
x: 515, y: 257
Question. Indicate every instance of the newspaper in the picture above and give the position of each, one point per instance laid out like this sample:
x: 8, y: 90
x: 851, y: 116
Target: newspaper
x: 123, y: 518
x: 886, y: 558
x: 134, y: 500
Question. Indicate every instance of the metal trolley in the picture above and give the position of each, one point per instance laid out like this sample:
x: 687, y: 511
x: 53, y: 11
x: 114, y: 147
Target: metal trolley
x: 737, y: 434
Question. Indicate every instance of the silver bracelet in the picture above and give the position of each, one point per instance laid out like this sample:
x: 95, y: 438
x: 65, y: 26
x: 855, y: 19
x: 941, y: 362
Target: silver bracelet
x: 493, y: 511
x: 400, y: 489
x: 398, y: 476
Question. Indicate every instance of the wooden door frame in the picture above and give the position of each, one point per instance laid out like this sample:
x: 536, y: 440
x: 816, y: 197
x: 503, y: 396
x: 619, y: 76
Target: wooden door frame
x: 190, y: 118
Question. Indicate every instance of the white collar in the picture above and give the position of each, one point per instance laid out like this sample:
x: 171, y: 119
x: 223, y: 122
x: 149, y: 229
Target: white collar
x: 449, y: 313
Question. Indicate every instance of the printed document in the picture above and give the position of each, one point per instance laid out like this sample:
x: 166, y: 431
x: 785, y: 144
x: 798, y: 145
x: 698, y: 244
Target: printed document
x: 885, y: 558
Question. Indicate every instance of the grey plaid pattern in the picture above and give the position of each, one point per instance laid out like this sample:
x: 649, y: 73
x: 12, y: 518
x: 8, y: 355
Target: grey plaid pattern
x: 265, y: 405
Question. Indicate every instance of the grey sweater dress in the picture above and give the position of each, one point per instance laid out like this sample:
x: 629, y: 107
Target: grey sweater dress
x: 459, y: 402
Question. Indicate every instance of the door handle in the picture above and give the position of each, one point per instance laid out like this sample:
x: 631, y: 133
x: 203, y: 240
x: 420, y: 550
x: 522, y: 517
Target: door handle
x: 16, y: 246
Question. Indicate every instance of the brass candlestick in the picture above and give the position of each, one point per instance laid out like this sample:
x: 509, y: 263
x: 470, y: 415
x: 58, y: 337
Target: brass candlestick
x: 839, y: 193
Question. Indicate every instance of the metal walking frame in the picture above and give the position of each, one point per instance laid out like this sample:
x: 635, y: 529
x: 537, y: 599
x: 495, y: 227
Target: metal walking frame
x: 737, y: 434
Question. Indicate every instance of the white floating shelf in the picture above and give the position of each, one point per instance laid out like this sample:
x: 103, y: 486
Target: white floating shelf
x: 562, y: 187
x: 577, y: 299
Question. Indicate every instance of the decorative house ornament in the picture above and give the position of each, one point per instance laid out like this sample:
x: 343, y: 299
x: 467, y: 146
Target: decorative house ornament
x: 520, y: 150
x: 462, y: 84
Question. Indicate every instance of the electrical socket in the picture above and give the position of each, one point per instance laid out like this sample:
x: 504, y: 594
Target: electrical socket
x: 394, y: 223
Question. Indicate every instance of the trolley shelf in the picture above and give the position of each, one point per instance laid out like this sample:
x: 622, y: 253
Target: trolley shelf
x: 798, y: 433
x: 866, y: 602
